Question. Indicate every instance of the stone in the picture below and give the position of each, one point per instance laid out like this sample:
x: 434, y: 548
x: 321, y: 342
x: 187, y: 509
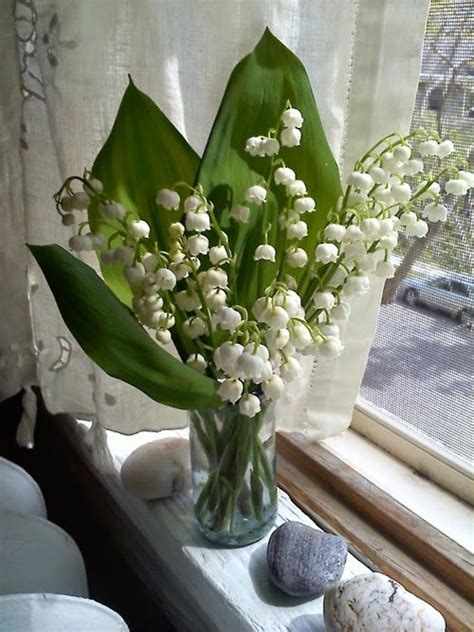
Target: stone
x: 377, y: 603
x: 158, y: 469
x: 305, y: 561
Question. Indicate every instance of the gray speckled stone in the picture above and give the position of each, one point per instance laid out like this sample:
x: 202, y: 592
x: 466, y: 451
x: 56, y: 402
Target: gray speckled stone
x: 376, y: 603
x: 158, y: 469
x: 305, y: 561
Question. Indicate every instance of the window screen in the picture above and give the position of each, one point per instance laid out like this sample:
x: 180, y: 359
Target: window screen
x: 420, y: 368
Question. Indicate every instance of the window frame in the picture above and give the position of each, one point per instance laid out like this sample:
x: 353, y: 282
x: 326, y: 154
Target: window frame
x: 410, y: 447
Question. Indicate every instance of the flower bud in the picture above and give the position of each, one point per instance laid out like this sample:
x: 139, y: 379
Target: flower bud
x: 165, y: 279
x: 324, y: 300
x: 290, y: 369
x: 134, y: 274
x: 67, y: 203
x: 68, y: 219
x: 163, y: 336
x: 124, y: 254
x: 80, y: 200
x: 93, y: 186
x: 402, y: 153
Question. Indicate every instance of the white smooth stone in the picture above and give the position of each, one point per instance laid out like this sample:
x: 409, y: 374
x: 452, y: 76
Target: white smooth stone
x: 56, y: 613
x: 37, y: 556
x: 377, y: 603
x: 158, y: 469
x: 19, y: 491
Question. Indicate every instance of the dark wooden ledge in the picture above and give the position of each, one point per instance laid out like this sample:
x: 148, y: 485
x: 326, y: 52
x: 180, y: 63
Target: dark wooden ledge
x: 380, y: 531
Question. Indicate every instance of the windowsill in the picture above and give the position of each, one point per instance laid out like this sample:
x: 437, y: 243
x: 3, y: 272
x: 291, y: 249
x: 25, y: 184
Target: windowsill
x: 440, y: 508
x: 200, y: 586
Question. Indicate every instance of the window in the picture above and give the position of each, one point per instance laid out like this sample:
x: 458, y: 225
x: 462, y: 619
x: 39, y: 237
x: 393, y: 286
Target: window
x: 420, y: 368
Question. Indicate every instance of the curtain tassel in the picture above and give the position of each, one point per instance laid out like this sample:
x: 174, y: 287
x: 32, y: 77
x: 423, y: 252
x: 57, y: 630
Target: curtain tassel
x: 96, y: 439
x: 26, y: 428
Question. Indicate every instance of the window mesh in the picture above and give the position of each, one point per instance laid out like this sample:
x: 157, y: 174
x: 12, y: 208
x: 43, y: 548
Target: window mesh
x: 420, y: 367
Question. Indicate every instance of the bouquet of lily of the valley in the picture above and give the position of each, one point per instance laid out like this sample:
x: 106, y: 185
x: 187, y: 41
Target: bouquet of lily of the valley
x: 243, y: 259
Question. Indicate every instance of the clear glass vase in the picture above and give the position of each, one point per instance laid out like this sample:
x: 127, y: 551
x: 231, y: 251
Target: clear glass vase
x: 234, y: 479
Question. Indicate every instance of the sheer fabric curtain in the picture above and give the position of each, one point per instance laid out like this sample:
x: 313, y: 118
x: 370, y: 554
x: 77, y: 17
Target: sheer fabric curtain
x: 65, y: 65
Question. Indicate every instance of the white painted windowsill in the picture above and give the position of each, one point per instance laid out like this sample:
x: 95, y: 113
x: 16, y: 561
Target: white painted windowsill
x: 203, y: 588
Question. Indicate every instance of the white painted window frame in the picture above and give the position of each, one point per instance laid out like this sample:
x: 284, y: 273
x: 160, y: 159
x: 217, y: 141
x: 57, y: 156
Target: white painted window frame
x: 412, y: 448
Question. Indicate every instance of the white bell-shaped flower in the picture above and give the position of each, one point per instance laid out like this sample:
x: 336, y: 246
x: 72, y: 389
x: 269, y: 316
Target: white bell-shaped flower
x: 274, y: 387
x: 290, y: 137
x: 290, y: 369
x: 169, y: 199
x: 228, y: 318
x: 197, y: 362
x: 68, y: 219
x: 353, y: 233
x: 80, y: 200
x: 67, y: 203
x: 370, y: 227
x: 212, y: 278
x: 326, y: 253
x: 435, y: 212
x: 284, y: 175
x: 297, y: 230
x: 225, y: 357
x: 198, y: 245
x: 194, y: 327
x: 139, y: 229
x: 93, y: 186
x: 401, y: 192
x: 275, y: 317
x: 324, y: 300
x: 468, y: 177
x: 456, y: 187
x: 341, y: 312
x: 334, y: 232
x: 362, y: 181
x: 264, y: 252
x: 230, y: 390
x: 356, y: 285
x: 256, y: 195
x: 125, y: 255
x: 428, y: 148
x: 188, y: 300
x: 389, y: 242
x: 135, y: 275
x: 408, y: 218
x: 249, y: 405
x: 304, y: 205
x: 355, y: 251
x: 413, y: 166
x: 199, y: 222
x: 300, y: 336
x: 297, y: 258
x: 402, y: 153
x: 250, y: 365
x: 165, y: 279
x: 331, y: 347
x: 292, y: 117
x: 385, y: 269
x: 163, y: 336
x: 445, y: 148
x: 297, y: 187
x: 277, y: 338
x: 216, y: 298
x: 240, y: 213
x: 217, y: 254
x: 379, y: 175
x: 417, y: 229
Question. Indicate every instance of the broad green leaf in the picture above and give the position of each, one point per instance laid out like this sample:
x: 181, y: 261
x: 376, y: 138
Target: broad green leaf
x: 144, y: 153
x: 256, y: 94
x: 111, y: 337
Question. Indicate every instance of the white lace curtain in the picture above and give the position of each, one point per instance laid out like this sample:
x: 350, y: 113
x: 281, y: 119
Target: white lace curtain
x: 64, y: 69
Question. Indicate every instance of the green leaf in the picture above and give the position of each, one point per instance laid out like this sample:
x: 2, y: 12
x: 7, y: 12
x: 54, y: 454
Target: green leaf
x: 111, y: 337
x: 256, y: 94
x: 143, y: 154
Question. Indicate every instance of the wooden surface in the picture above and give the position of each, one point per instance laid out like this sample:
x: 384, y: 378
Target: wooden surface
x: 384, y: 533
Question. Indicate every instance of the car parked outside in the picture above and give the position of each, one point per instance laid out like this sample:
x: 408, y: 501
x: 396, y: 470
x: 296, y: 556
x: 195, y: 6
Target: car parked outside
x: 452, y: 294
